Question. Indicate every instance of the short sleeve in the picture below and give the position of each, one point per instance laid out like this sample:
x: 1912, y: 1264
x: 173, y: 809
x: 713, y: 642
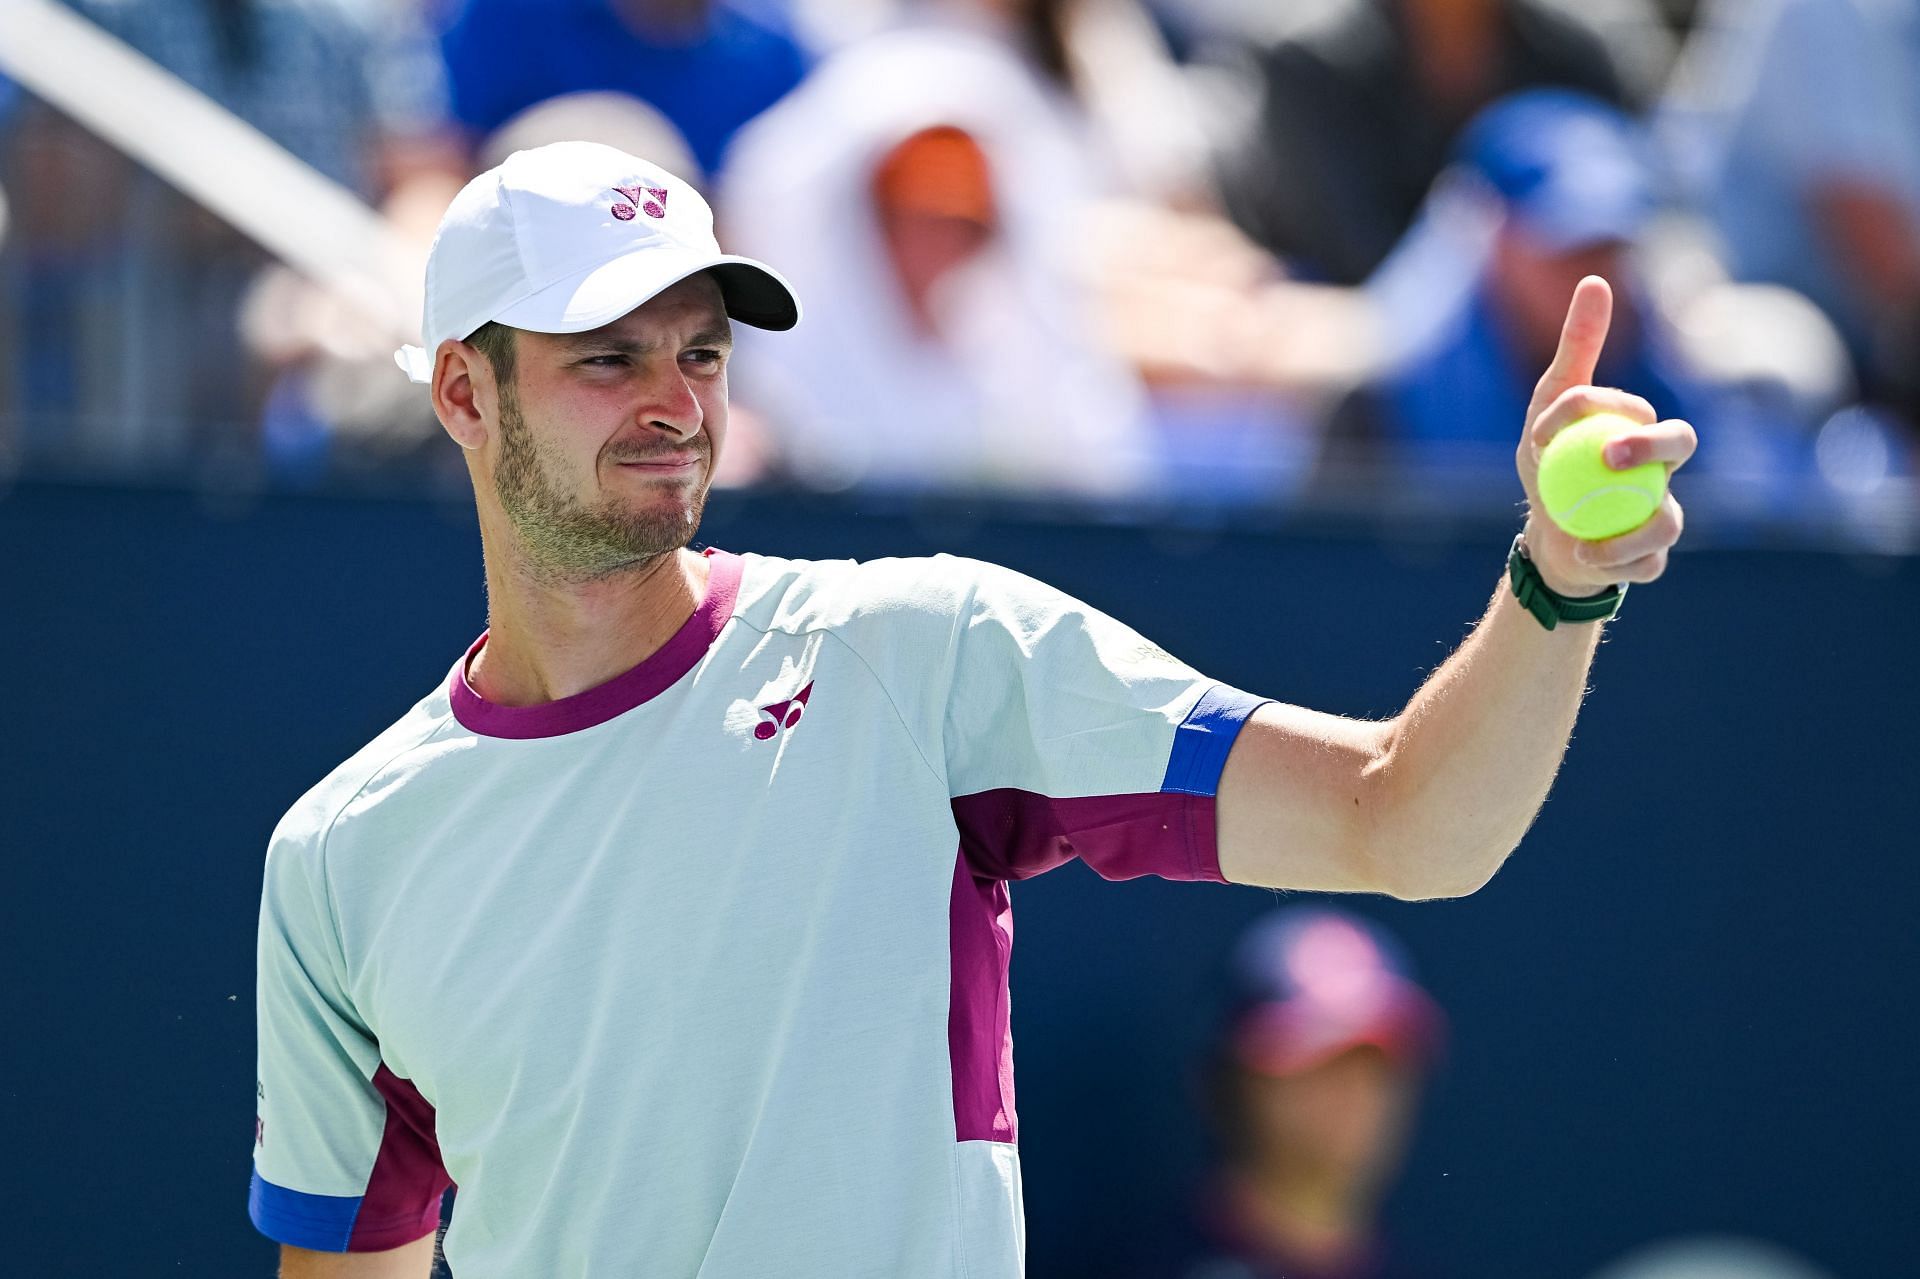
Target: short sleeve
x: 344, y: 1155
x: 1068, y: 734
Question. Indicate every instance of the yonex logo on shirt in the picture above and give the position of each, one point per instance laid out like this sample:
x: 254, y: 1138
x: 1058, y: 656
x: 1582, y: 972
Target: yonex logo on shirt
x: 656, y: 207
x: 783, y: 715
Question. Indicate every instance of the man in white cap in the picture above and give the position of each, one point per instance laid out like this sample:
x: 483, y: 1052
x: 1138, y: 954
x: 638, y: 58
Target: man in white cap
x: 673, y: 924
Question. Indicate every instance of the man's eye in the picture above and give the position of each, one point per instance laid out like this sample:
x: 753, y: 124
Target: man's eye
x: 604, y: 361
x: 704, y: 355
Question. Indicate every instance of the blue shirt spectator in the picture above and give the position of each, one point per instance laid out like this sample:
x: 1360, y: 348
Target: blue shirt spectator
x: 1565, y: 191
x: 708, y: 65
x: 1552, y: 185
x: 1463, y: 401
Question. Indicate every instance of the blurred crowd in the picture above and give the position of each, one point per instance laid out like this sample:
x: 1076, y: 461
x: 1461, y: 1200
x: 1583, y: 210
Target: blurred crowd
x: 1189, y: 253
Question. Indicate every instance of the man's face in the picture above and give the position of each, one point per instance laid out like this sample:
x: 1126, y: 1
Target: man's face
x: 1347, y: 1117
x: 607, y: 439
x: 1531, y: 283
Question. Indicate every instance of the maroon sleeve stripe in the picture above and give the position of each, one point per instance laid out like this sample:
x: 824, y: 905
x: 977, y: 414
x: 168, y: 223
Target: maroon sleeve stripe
x: 402, y: 1201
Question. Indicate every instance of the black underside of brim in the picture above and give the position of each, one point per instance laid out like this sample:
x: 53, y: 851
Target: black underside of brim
x: 754, y: 297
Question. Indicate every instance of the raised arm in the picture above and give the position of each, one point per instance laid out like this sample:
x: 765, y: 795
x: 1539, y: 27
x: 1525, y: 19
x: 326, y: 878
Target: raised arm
x: 409, y: 1261
x: 1430, y: 802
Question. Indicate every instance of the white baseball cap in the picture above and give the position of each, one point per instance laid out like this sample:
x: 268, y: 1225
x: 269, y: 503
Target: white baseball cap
x: 571, y: 236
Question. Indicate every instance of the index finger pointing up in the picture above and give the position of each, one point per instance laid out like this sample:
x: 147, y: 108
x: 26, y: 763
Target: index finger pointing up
x: 1589, y: 315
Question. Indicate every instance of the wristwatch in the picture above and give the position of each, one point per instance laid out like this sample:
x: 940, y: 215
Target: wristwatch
x: 1547, y: 605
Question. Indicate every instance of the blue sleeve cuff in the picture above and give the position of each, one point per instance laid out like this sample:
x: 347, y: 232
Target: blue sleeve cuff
x: 321, y: 1223
x: 1201, y: 743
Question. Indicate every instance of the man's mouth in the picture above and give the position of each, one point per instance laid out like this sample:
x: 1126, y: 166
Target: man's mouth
x: 662, y: 464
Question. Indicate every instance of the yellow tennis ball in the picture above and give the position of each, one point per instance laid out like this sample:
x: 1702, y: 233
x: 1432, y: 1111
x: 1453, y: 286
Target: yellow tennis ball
x: 1585, y: 496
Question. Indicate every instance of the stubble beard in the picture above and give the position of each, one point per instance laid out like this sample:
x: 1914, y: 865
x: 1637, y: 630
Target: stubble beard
x: 566, y: 539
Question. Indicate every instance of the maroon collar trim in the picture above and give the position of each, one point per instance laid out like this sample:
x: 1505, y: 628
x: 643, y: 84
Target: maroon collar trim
x: 618, y: 695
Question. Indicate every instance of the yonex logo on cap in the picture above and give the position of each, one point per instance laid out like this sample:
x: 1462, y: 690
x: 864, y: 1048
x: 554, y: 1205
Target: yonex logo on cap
x: 656, y: 207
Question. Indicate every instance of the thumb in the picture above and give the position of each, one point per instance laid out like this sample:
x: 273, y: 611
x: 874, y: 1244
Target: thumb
x: 1584, y: 333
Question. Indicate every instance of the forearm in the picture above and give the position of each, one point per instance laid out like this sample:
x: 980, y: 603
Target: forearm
x: 1429, y: 803
x: 1468, y: 763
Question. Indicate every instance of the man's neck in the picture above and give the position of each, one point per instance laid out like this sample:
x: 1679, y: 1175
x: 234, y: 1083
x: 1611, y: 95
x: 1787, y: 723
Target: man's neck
x: 548, y: 639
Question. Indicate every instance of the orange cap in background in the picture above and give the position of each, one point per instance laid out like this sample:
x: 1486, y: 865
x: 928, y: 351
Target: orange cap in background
x: 941, y: 172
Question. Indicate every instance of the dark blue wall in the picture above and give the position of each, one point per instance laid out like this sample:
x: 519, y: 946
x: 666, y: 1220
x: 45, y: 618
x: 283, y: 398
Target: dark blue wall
x: 1684, y: 1005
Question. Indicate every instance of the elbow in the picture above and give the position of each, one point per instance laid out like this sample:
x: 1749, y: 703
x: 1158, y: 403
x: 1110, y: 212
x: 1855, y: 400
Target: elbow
x: 1421, y: 861
x: 1429, y: 852
x: 1438, y: 882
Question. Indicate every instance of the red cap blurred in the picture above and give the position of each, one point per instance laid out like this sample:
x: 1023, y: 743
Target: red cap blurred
x: 1315, y: 982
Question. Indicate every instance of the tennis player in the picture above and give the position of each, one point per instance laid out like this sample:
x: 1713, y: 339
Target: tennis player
x: 673, y: 924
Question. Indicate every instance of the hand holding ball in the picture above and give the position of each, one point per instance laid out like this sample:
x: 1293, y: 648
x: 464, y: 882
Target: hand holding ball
x: 1585, y: 496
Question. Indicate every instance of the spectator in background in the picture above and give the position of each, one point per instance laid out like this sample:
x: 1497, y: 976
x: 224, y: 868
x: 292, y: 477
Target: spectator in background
x: 1798, y: 124
x: 1357, y: 114
x: 1551, y: 185
x: 927, y: 190
x: 1022, y: 279
x: 708, y: 65
x: 121, y: 297
x: 1311, y: 1090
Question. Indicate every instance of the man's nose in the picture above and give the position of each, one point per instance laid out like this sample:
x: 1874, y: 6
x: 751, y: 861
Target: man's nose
x: 671, y: 406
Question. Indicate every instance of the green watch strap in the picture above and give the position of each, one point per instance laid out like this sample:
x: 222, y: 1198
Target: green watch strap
x: 1549, y: 607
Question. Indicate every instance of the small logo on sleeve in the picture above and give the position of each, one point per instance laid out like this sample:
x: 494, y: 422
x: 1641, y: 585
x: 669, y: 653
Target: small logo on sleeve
x: 651, y: 201
x: 781, y: 716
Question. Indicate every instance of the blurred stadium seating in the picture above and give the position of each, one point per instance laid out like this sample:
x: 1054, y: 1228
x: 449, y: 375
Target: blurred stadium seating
x: 1143, y: 285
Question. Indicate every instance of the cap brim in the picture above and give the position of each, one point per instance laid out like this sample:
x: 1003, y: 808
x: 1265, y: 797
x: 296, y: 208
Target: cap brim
x: 752, y: 292
x: 1564, y: 228
x: 1290, y: 1037
x: 1606, y: 203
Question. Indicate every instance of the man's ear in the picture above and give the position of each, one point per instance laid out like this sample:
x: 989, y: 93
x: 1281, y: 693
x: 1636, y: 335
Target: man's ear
x: 464, y: 395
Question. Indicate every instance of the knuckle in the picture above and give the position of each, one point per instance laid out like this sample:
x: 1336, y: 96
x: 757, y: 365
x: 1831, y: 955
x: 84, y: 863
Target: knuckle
x: 1572, y: 398
x: 1607, y: 399
x: 1628, y: 405
x: 1645, y: 568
